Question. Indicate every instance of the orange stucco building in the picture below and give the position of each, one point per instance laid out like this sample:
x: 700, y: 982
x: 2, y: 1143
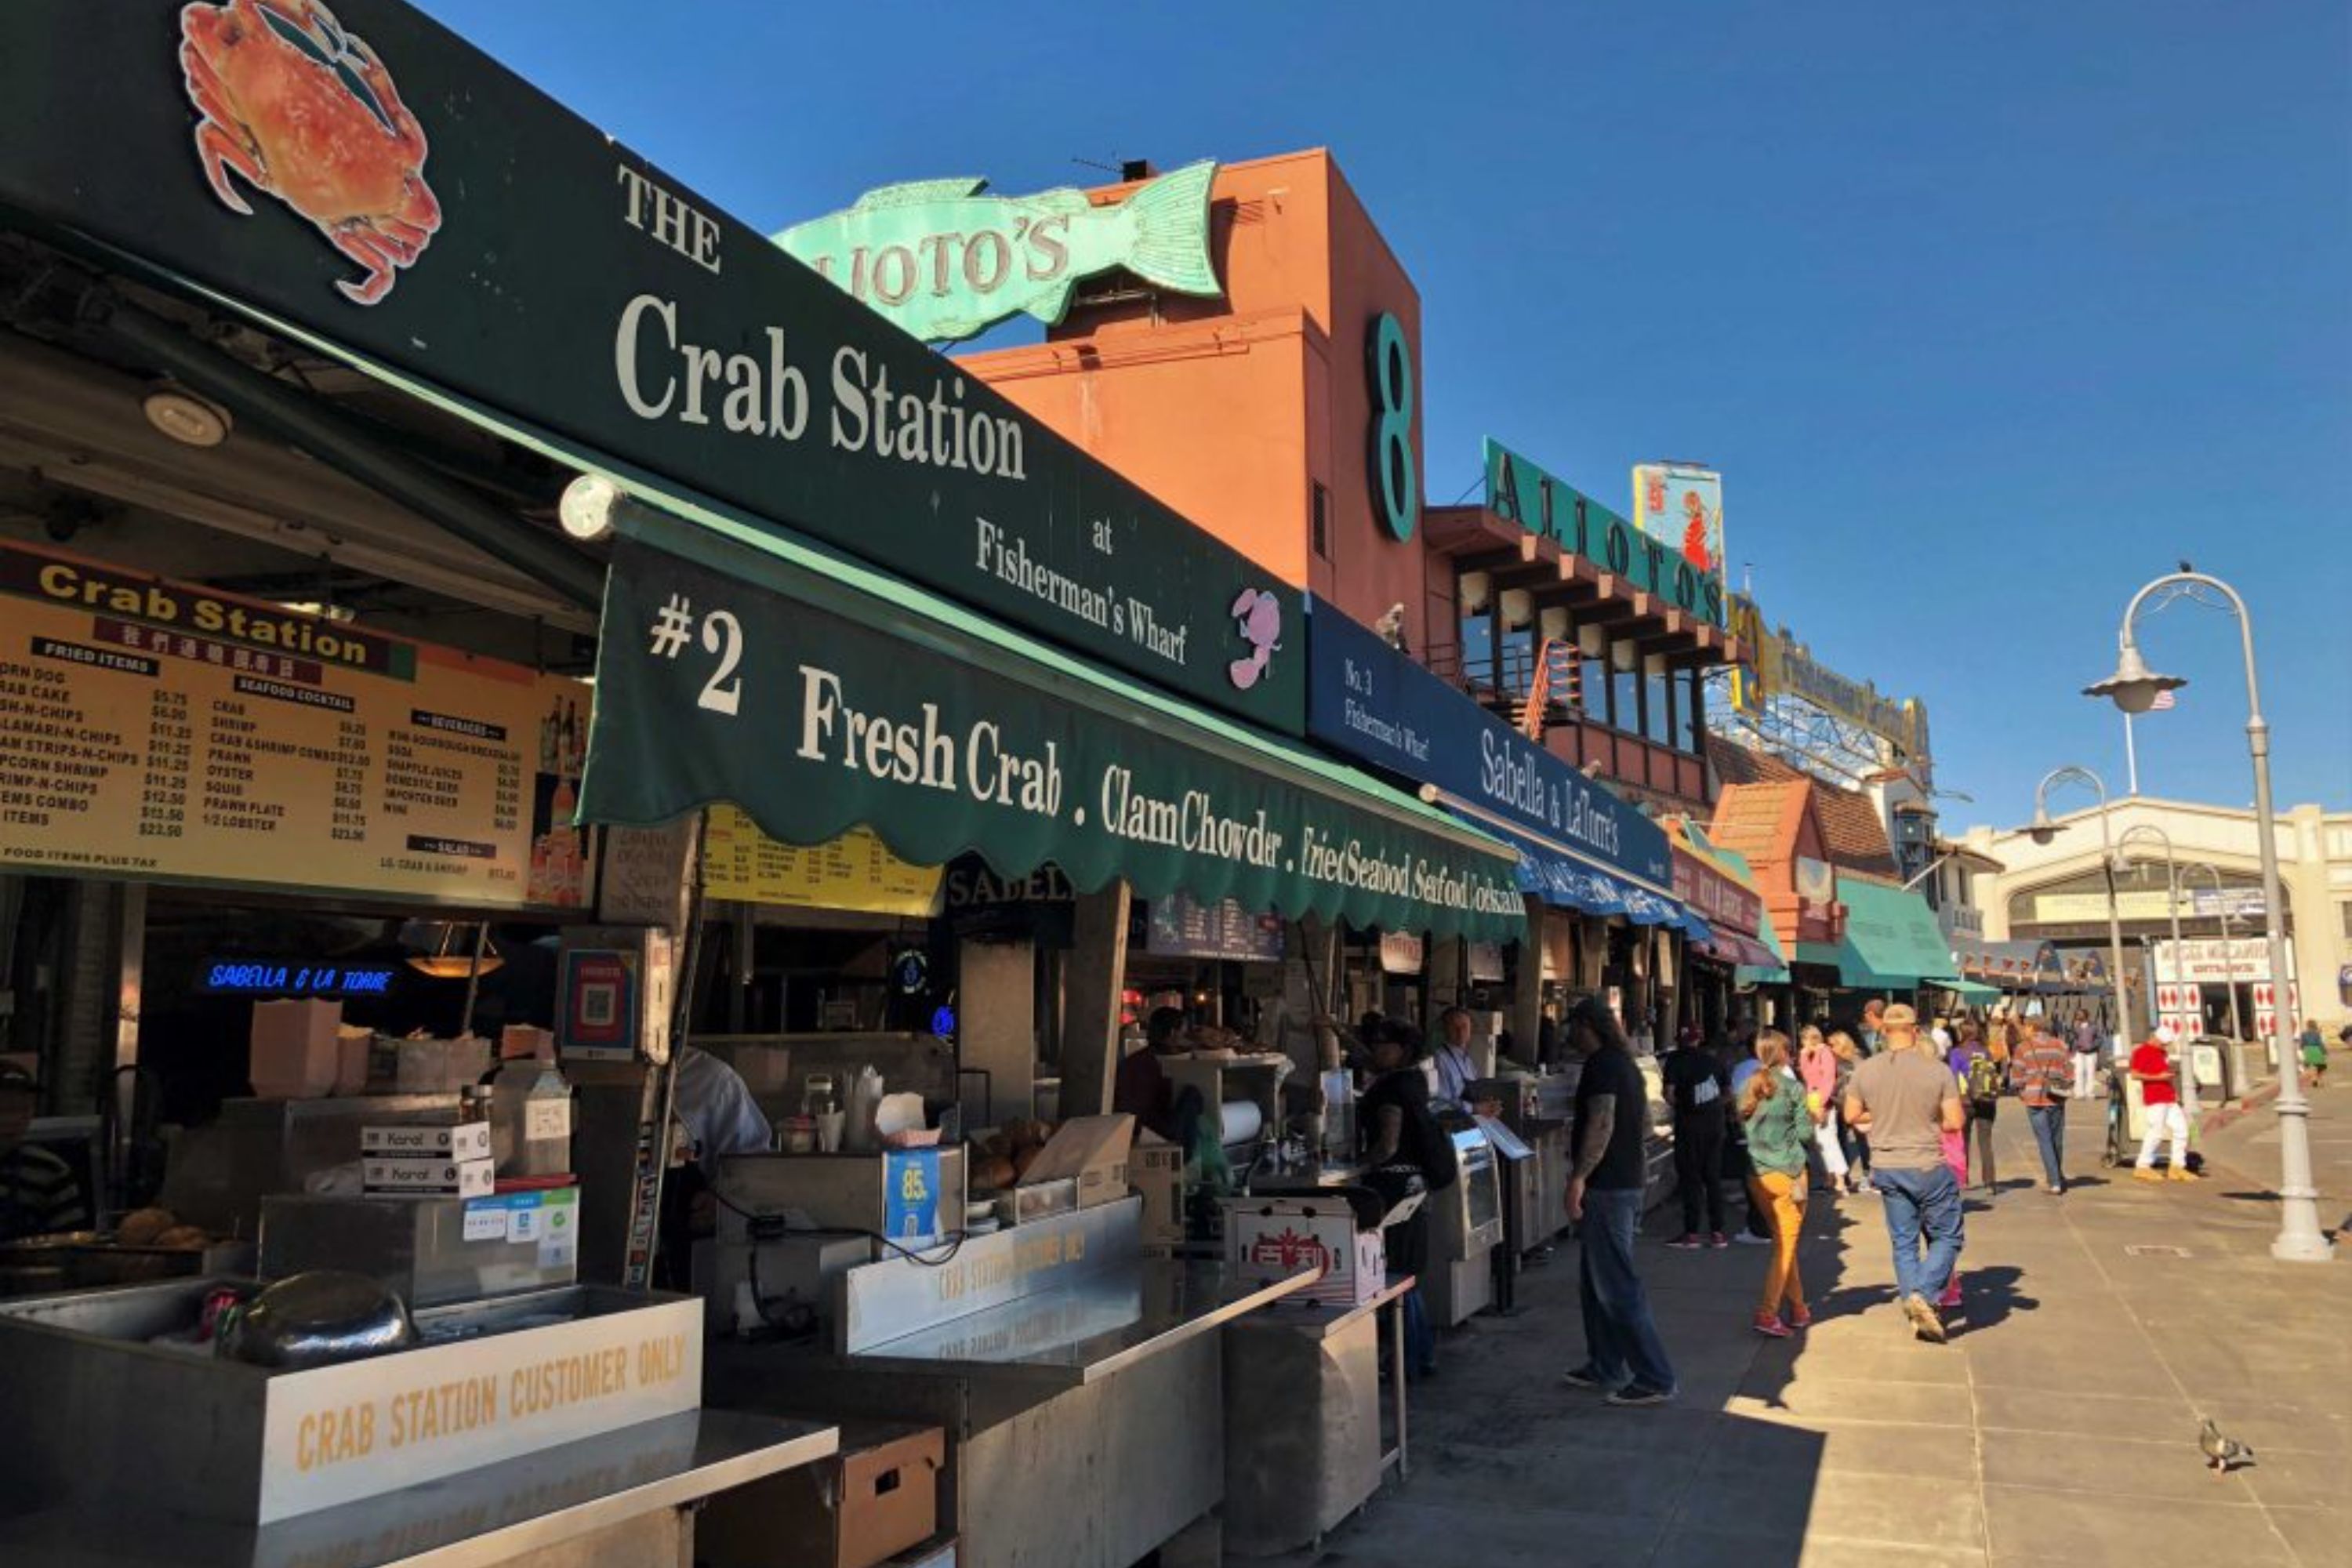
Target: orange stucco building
x: 1254, y: 414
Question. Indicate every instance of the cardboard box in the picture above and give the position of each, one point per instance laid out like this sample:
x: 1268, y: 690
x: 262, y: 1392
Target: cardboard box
x: 296, y: 1049
x: 1268, y: 1239
x: 432, y: 1140
x: 441, y: 1066
x: 1156, y: 1169
x: 878, y: 1496
x: 1090, y: 1149
x: 437, y: 1178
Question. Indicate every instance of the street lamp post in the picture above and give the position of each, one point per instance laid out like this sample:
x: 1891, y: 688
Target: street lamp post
x: 2172, y: 903
x: 2042, y: 831
x: 2133, y: 687
x: 2229, y: 958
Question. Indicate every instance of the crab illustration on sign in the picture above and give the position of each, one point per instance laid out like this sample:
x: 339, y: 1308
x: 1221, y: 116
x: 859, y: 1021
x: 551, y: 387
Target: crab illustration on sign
x: 302, y: 110
x: 1259, y: 615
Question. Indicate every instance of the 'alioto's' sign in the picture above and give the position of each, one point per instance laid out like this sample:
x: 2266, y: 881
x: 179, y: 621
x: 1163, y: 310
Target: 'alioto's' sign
x: 1520, y: 491
x: 1366, y: 699
x: 367, y: 176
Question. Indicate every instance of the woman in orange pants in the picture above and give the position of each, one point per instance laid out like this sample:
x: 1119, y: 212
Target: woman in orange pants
x: 1780, y: 1130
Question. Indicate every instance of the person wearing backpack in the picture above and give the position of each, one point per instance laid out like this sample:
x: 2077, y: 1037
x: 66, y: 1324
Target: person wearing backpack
x: 1698, y: 1088
x: 1980, y: 1073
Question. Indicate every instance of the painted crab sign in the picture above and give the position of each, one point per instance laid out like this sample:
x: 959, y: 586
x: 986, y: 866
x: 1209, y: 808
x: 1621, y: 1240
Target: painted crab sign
x: 302, y: 110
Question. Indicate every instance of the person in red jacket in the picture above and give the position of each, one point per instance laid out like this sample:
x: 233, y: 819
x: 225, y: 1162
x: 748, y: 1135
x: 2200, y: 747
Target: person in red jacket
x: 2151, y: 1069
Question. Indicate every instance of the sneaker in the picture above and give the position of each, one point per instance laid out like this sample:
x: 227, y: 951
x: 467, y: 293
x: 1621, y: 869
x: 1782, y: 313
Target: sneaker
x: 2147, y: 1173
x: 1719, y: 1240
x: 1750, y: 1238
x: 1925, y: 1323
x: 1801, y: 1317
x: 1582, y: 1377
x: 1687, y: 1242
x: 1637, y: 1395
x: 1951, y: 1299
x: 2182, y: 1174
x: 1770, y: 1325
x: 2055, y: 1191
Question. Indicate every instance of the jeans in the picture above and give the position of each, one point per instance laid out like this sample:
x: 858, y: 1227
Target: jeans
x: 1782, y: 1197
x: 1698, y: 1169
x: 2049, y: 1124
x: 1420, y: 1337
x: 1921, y: 1203
x: 1620, y: 1341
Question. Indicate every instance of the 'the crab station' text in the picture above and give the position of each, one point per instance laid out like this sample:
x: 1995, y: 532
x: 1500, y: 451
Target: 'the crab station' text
x: 664, y: 375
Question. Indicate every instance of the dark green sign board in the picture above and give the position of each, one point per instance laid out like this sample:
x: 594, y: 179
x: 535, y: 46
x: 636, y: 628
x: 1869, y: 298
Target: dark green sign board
x: 370, y: 176
x: 1520, y: 491
x: 839, y: 712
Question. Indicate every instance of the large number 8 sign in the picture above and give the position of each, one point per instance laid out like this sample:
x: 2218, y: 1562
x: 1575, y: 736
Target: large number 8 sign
x: 1396, y: 488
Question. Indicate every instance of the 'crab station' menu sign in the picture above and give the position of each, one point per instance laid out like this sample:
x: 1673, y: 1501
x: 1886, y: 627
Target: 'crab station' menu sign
x: 363, y: 175
x: 157, y: 729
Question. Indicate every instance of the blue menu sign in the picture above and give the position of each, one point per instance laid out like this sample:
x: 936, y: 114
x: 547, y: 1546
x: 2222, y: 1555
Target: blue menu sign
x: 910, y: 1202
x: 1366, y: 699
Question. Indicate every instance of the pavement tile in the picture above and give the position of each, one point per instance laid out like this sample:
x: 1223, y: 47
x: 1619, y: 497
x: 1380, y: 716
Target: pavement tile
x: 1595, y: 1476
x: 1402, y: 1534
x: 2014, y: 1410
x: 1867, y: 1449
x: 2320, y: 1537
x: 1835, y: 1399
x: 2093, y: 1529
x: 2286, y: 1477
x: 2113, y: 1467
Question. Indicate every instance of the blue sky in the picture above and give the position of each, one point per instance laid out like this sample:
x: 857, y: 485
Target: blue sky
x: 1988, y: 313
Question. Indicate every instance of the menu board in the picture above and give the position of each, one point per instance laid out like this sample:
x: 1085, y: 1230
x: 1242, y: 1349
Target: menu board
x: 856, y: 871
x: 152, y: 729
x: 1183, y: 927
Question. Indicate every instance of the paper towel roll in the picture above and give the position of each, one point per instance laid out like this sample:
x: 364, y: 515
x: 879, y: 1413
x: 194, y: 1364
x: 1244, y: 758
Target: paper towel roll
x: 1240, y: 1121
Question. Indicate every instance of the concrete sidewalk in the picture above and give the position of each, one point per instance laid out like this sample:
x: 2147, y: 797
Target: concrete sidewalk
x: 2059, y: 1424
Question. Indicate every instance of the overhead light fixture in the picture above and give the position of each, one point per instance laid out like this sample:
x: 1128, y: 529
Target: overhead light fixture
x: 2133, y: 687
x: 1473, y: 588
x: 588, y: 506
x: 1518, y: 607
x: 447, y: 958
x: 186, y: 418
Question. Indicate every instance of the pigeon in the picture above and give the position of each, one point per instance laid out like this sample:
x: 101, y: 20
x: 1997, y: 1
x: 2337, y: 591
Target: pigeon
x: 2222, y: 1454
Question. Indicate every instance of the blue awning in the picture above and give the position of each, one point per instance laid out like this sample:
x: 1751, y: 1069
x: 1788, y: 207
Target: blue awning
x: 1571, y: 883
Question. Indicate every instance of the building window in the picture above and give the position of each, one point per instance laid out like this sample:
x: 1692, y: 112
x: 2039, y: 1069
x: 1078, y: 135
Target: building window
x: 1596, y: 692
x: 1320, y: 524
x: 1626, y: 699
x: 1687, y: 717
x: 2347, y: 909
x: 1657, y: 722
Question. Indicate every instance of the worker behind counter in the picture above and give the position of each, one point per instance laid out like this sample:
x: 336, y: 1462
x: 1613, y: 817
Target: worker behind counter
x: 1142, y: 1089
x: 715, y: 1116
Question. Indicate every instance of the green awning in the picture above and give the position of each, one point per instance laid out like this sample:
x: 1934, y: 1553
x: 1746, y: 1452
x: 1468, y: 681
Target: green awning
x: 1204, y: 803
x: 1892, y: 941
x: 843, y: 702
x: 1968, y: 990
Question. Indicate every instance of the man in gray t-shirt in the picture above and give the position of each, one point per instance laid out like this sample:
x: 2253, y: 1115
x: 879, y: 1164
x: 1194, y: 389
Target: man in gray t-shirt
x: 1904, y: 1100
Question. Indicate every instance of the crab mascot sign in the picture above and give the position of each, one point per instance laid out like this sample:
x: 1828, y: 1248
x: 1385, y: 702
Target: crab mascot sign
x: 299, y: 109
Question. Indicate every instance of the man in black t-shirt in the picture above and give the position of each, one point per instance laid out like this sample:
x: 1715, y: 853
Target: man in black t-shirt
x: 1698, y: 1088
x: 1623, y: 1352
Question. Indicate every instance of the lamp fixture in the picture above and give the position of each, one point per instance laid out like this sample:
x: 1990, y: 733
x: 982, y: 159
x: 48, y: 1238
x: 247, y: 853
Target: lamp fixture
x: 2133, y: 687
x: 442, y: 962
x: 192, y: 421
x: 587, y: 506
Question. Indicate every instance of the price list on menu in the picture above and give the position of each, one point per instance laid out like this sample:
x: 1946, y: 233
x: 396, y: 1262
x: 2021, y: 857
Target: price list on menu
x: 151, y: 728
x: 854, y: 871
x: 1181, y: 926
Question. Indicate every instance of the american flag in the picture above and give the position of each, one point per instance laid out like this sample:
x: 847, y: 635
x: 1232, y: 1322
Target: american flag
x: 2163, y: 701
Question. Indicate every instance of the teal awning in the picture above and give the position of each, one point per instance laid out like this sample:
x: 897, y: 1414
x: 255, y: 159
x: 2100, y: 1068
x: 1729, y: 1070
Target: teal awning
x: 1970, y: 990
x: 1892, y: 941
x: 1204, y: 803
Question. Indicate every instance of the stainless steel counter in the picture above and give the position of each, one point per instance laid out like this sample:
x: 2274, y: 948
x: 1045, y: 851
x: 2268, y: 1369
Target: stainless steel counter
x: 1115, y: 1373
x: 1088, y: 1330
x: 610, y: 1500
